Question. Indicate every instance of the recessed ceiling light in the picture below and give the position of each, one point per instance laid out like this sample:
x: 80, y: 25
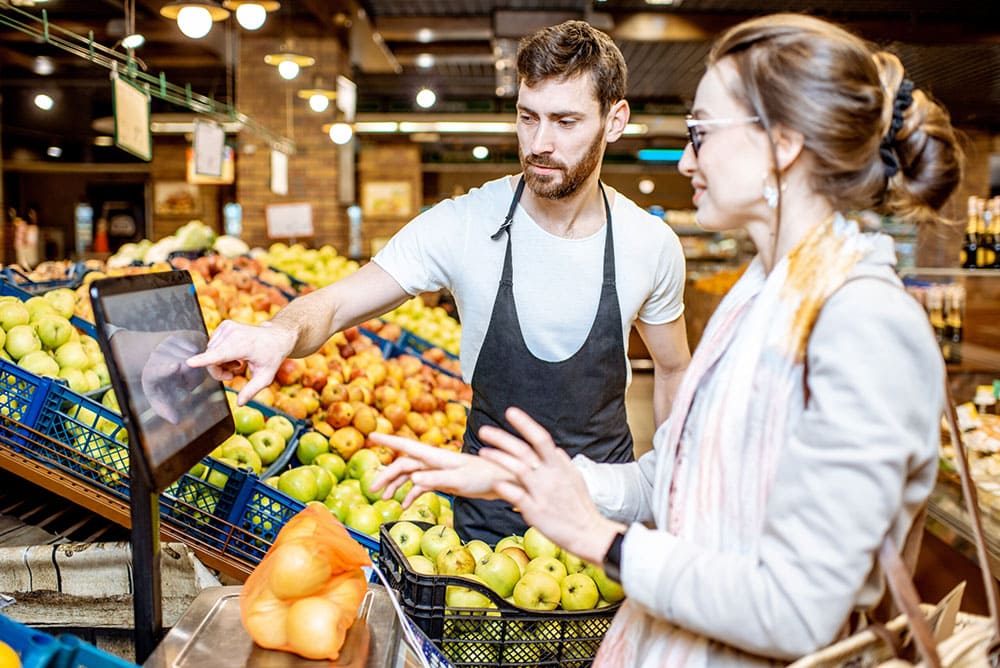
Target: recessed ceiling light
x: 133, y: 41
x: 425, y: 60
x: 425, y: 35
x: 44, y: 102
x: 426, y: 98
x: 341, y: 133
x: 480, y: 152
x: 43, y: 66
x: 646, y: 186
x: 53, y: 151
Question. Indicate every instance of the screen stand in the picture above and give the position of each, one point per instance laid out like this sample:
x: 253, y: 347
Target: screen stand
x: 146, y: 596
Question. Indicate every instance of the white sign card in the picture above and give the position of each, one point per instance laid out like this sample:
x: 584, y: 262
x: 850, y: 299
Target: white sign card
x: 131, y: 107
x: 289, y: 221
x: 279, y: 173
x: 347, y: 97
x: 209, y: 147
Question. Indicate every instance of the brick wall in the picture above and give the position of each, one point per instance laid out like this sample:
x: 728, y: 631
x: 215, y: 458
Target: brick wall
x: 169, y: 164
x: 312, y: 169
x: 379, y: 165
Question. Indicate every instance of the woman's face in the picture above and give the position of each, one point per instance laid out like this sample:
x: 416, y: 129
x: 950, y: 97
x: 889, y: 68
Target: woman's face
x: 733, y: 157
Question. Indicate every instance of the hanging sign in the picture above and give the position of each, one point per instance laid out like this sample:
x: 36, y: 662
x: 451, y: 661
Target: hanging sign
x: 209, y: 147
x: 289, y: 221
x: 131, y: 106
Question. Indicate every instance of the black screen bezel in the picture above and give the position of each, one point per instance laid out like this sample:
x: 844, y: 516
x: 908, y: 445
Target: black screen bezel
x: 175, y: 465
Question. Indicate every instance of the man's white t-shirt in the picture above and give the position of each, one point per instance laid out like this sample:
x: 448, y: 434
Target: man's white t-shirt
x: 557, y: 281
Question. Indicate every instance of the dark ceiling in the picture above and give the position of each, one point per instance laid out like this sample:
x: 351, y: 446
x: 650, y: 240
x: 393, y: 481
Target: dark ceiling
x: 951, y: 49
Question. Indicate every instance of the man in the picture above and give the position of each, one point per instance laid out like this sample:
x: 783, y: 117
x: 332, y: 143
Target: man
x: 549, y: 271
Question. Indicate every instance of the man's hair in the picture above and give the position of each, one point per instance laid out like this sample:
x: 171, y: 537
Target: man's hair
x: 572, y: 49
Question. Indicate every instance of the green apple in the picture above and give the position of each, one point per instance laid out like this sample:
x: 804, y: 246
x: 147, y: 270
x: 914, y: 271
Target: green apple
x: 549, y: 565
x: 242, y: 453
x: 93, y: 380
x: 110, y: 400
x: 12, y: 314
x: 93, y: 349
x: 218, y: 477
x: 324, y: 481
x: 333, y: 464
x: 37, y: 307
x: 479, y: 549
x: 21, y: 340
x: 407, y: 536
x: 350, y: 483
x: 362, y: 517
x: 431, y: 500
x: 578, y: 592
x: 63, y: 300
x: 367, y: 485
x: 418, y: 514
x: 573, y: 563
x: 103, y: 376
x: 77, y: 381
x: 455, y: 560
x: 39, y: 363
x: 282, y: 425
x: 537, y: 545
x: 421, y: 564
x: 248, y: 420
x: 272, y: 482
x: 339, y: 505
x: 537, y: 590
x: 389, y: 509
x: 509, y: 541
x: 268, y: 444
x: 499, y: 572
x: 311, y: 445
x: 610, y: 590
x: 447, y: 517
x: 298, y: 483
x: 466, y: 597
x: 70, y: 354
x: 361, y: 461
x: 436, y: 539
x: 54, y: 331
x: 199, y: 470
x: 402, y: 491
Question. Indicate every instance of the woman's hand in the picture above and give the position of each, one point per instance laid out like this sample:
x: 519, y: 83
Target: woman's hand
x: 431, y: 468
x: 546, y: 488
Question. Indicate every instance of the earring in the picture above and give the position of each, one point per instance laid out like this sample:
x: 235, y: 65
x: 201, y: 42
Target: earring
x: 771, y: 193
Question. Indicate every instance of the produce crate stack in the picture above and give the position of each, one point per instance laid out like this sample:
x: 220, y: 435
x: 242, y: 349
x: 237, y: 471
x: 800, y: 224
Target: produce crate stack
x: 36, y: 649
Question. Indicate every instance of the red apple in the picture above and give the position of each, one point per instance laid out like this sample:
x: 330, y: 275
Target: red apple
x: 290, y: 372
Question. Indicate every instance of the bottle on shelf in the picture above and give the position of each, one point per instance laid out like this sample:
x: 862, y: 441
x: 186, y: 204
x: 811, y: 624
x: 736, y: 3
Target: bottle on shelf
x: 995, y: 221
x: 970, y: 246
x: 984, y: 254
x: 954, y: 319
x: 934, y: 303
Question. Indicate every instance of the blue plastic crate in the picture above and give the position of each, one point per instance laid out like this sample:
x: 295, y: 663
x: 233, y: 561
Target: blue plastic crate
x: 38, y: 649
x: 200, y: 505
x: 21, y: 280
x: 261, y: 511
x: 8, y: 289
x: 389, y: 348
x: 22, y: 393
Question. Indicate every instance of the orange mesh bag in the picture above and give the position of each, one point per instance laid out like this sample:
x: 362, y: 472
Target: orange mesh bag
x: 305, y: 593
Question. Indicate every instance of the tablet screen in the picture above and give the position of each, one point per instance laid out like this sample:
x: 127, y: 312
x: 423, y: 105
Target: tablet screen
x: 148, y: 326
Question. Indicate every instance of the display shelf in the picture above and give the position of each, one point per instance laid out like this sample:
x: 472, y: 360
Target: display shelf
x: 948, y: 520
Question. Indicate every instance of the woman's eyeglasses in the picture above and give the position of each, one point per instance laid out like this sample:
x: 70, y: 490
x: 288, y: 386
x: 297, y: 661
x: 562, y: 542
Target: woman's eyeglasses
x: 694, y: 135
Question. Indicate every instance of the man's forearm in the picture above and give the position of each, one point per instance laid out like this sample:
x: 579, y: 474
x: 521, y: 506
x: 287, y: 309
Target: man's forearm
x: 665, y: 384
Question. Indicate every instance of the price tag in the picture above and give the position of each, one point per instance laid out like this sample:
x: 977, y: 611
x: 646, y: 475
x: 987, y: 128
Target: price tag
x: 289, y: 221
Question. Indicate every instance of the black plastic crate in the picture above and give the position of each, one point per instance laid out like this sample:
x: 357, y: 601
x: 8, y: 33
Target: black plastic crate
x: 506, y: 636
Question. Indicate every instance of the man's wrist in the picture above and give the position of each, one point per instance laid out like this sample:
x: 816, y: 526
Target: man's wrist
x: 599, y: 540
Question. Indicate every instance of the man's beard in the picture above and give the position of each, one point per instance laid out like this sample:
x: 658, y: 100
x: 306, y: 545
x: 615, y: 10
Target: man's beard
x: 573, y: 177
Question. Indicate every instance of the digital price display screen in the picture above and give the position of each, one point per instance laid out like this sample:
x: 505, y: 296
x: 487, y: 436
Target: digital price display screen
x: 148, y: 326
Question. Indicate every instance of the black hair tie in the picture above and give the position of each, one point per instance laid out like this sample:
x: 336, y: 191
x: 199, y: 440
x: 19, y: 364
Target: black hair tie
x: 887, y: 150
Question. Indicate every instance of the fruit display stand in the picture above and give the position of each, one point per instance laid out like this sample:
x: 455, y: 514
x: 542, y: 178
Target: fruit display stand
x: 504, y: 636
x: 70, y: 279
x: 12, y: 290
x: 70, y: 444
x: 37, y: 649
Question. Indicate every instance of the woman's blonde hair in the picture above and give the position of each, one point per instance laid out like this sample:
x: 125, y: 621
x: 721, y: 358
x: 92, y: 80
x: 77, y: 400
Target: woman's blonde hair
x: 824, y: 82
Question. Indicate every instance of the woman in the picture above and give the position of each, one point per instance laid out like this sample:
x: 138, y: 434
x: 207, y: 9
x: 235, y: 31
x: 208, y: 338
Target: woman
x: 806, y: 428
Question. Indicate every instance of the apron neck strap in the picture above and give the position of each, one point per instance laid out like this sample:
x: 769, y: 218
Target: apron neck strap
x: 510, y: 211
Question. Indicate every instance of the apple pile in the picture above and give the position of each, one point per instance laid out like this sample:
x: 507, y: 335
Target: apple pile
x: 391, y: 331
x: 345, y: 488
x: 83, y: 308
x: 348, y: 390
x: 317, y: 267
x: 257, y: 443
x: 430, y: 323
x: 37, y: 335
x: 529, y: 571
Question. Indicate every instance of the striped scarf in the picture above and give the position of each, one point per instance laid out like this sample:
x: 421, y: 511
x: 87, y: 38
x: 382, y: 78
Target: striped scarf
x: 745, y: 390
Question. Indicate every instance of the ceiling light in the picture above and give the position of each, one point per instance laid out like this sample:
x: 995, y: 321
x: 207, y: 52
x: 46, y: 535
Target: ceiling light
x: 251, y: 14
x: 646, y: 186
x: 44, y: 102
x: 133, y: 41
x: 660, y: 2
x: 194, y: 17
x: 425, y: 35
x: 341, y: 133
x: 480, y: 152
x: 43, y: 66
x: 288, y: 62
x: 319, y: 95
x: 288, y: 69
x: 53, y: 151
x: 425, y: 60
x: 426, y: 98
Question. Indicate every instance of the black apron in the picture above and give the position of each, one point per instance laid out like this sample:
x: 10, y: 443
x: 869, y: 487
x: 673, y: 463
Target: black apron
x: 580, y: 400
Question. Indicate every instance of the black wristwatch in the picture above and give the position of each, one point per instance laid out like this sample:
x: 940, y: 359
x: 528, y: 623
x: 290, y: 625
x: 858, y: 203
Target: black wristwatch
x: 613, y: 558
